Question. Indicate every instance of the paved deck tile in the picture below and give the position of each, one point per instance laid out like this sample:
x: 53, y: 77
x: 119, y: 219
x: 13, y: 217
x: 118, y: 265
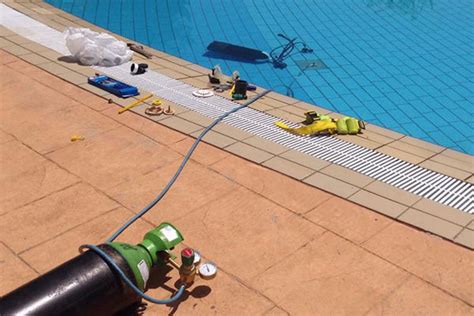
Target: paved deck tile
x: 329, y: 276
x: 416, y: 297
x: 355, y: 223
x: 239, y: 219
x: 70, y: 207
x: 113, y: 157
x: 290, y: 193
x: 429, y: 257
x: 195, y: 187
x: 330, y: 184
x: 288, y: 168
x: 378, y: 203
x: 14, y: 271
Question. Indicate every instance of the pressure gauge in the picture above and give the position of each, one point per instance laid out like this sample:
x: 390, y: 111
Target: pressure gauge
x: 197, y: 257
x: 208, y: 270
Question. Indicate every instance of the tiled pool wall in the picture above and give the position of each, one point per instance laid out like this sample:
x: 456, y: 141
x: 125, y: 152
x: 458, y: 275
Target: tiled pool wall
x: 405, y: 65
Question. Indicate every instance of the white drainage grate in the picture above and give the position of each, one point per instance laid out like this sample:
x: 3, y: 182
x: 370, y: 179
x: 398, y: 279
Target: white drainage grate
x: 401, y: 174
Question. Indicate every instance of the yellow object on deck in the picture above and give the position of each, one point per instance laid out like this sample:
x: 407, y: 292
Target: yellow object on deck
x: 315, y: 128
x: 134, y: 104
x: 75, y: 138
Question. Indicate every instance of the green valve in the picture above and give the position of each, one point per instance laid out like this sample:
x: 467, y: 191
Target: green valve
x: 143, y: 256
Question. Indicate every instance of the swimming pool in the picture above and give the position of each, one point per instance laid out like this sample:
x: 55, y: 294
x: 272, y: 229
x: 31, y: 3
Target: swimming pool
x: 406, y: 65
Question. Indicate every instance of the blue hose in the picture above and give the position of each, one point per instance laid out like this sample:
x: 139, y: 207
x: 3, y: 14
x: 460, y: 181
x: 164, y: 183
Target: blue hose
x: 110, y: 261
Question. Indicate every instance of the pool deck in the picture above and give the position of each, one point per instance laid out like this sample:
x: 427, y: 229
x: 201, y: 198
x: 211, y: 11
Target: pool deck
x: 307, y: 240
x: 274, y: 238
x: 423, y: 213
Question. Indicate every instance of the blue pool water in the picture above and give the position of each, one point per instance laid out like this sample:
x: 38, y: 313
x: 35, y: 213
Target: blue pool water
x: 407, y: 65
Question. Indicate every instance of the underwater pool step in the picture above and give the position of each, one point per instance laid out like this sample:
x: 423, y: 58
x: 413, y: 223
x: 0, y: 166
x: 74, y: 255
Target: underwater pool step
x: 398, y: 173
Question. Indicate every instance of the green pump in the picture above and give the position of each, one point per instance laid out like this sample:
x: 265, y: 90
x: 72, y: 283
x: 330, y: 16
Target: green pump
x: 153, y: 250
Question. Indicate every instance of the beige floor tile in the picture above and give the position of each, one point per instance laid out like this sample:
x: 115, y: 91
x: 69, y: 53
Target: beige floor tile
x: 422, y: 144
x: 429, y: 257
x: 18, y: 39
x: 266, y: 145
x: 304, y: 106
x: 384, y: 132
x: 392, y: 193
x: 400, y: 154
x: 16, y: 50
x: 285, y: 191
x: 288, y: 168
x: 285, y: 115
x: 249, y: 152
x: 305, y: 160
x: 347, y: 219
x: 445, y: 169
x: 215, y: 138
x: 466, y: 238
x: 347, y: 175
x: 35, y: 47
x: 180, y: 124
x: 232, y: 132
x: 95, y: 231
x: 378, y: 203
x: 419, y: 297
x: 329, y: 276
x: 442, y: 211
x: 34, y: 59
x: 5, y: 43
x: 53, y: 68
x: 68, y: 208
x: 430, y: 223
x: 196, y: 118
x: 114, y: 157
x: 204, y: 153
x: 331, y: 185
x: 359, y: 140
x: 471, y: 225
x: 412, y: 149
x: 457, y: 155
x: 157, y: 132
x: 73, y: 77
x: 14, y: 272
x: 282, y: 98
x: 26, y: 176
x: 240, y: 219
x: 452, y: 160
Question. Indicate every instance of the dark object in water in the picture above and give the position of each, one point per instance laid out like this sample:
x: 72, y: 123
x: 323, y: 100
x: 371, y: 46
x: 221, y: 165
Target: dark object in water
x: 239, y: 52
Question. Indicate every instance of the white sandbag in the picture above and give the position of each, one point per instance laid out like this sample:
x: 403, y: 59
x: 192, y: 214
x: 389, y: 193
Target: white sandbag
x: 92, y: 48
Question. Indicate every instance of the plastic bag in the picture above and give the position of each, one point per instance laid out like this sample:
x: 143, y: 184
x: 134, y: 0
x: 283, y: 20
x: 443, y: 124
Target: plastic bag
x: 92, y: 48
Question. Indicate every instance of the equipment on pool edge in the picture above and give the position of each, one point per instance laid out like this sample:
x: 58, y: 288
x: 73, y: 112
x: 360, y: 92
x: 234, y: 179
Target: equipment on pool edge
x: 113, y: 86
x: 239, y: 90
x: 134, y: 104
x: 88, y: 285
x: 138, y: 69
x: 318, y: 124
